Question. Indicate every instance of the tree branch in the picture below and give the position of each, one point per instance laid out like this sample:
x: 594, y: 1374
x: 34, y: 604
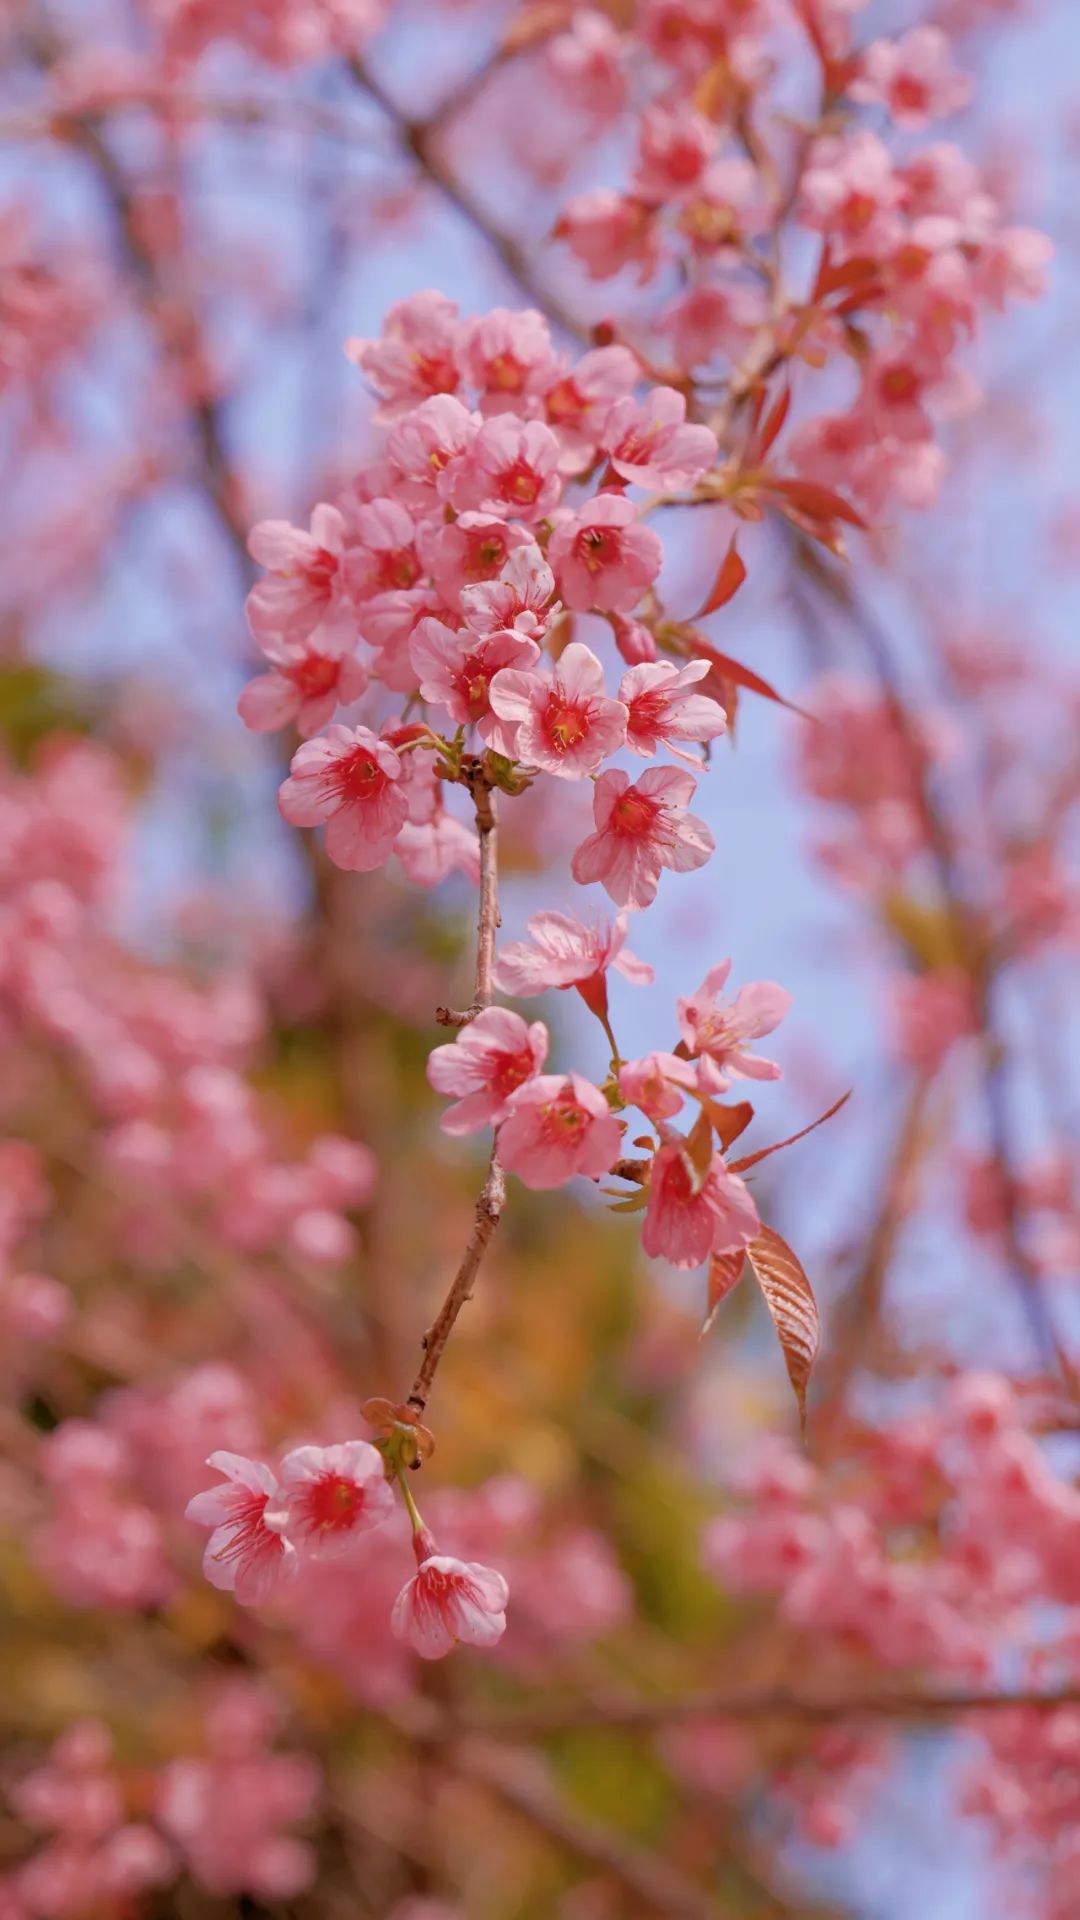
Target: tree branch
x: 728, y: 1703
x: 492, y: 1195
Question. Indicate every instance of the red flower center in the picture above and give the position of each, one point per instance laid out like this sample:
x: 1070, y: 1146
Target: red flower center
x: 331, y: 1504
x: 564, y: 402
x: 598, y: 547
x: 565, y: 724
x: 634, y: 815
x: 505, y: 372
x: 314, y: 675
x: 360, y: 778
x: 521, y: 483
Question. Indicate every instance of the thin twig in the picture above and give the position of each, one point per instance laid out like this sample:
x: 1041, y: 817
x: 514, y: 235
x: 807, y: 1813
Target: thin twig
x: 492, y: 1196
x: 521, y: 1783
x: 728, y: 1703
x: 421, y: 139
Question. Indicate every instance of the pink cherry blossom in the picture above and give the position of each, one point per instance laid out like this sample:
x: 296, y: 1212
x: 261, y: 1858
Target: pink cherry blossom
x: 607, y: 231
x: 491, y: 1057
x: 307, y: 684
x: 636, y: 643
x: 640, y: 830
x: 425, y: 446
x: 511, y: 469
x: 563, y: 953
x: 507, y: 354
x: 688, y: 1218
x: 448, y: 1601
x: 351, y: 780
x: 306, y: 582
x: 559, y: 1125
x: 416, y: 354
x: 455, y: 670
x: 476, y: 547
x: 653, y: 1083
x: 711, y: 322
x: 651, y: 445
x: 561, y: 722
x: 603, y: 557
x: 329, y: 1496
x: 521, y: 598
x: 663, y: 708
x: 243, y: 1555
x: 913, y: 76
x: 850, y: 191
x: 674, y: 149
x: 720, y: 1029
x: 382, y: 555
x: 586, y: 64
x: 577, y: 402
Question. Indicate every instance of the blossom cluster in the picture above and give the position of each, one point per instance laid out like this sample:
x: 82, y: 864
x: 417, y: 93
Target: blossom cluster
x: 913, y: 251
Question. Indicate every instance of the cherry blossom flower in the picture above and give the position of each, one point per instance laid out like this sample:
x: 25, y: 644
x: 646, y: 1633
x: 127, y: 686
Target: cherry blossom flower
x: 351, y: 780
x: 448, y: 1601
x: 710, y: 322
x: 913, y: 76
x: 562, y: 722
x: 653, y: 1083
x: 640, y: 830
x: 328, y: 1496
x: 416, y: 354
x: 382, y: 555
x: 586, y: 63
x: 603, y: 557
x: 455, y: 670
x: 307, y: 684
x: 507, y: 354
x: 607, y: 231
x: 491, y: 1057
x: 306, y: 582
x: 577, y: 402
x: 559, y: 1125
x: 674, y: 149
x: 563, y: 953
x: 511, y: 469
x: 850, y: 191
x: 651, y: 445
x: 243, y: 1554
x: 425, y: 446
x: 663, y: 708
x: 520, y: 599
x: 687, y: 1217
x: 636, y: 643
x: 476, y: 547
x: 721, y: 1029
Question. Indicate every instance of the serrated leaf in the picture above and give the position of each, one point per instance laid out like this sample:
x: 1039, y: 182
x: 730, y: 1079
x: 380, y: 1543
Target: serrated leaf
x: 790, y: 1299
x: 724, y: 1272
x: 751, y: 1159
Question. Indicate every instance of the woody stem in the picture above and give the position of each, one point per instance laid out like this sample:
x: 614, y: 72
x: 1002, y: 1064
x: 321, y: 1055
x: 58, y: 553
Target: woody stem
x: 492, y: 1196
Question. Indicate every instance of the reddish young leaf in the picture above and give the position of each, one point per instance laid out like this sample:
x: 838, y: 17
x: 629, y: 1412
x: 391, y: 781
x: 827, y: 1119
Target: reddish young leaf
x: 741, y: 676
x: 751, y: 1160
x: 789, y: 1297
x: 818, y: 503
x: 728, y: 1121
x: 773, y: 424
x: 727, y: 583
x: 698, y: 1148
x: 724, y: 1272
